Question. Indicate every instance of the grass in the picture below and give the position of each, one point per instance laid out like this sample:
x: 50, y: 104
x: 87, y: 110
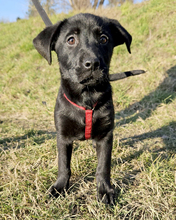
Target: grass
x: 143, y: 158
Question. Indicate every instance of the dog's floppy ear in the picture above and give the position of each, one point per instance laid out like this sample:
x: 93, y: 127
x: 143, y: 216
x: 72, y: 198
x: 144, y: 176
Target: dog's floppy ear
x: 45, y: 41
x: 120, y: 35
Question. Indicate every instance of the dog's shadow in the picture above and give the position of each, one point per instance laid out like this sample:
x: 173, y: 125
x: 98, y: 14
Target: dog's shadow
x: 164, y: 93
x: 164, y: 151
x: 19, y: 141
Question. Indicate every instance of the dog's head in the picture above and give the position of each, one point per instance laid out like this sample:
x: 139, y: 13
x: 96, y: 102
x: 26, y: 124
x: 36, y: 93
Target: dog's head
x: 84, y: 44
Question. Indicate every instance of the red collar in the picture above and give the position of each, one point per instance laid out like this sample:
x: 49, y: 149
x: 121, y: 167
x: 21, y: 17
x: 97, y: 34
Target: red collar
x: 88, y: 118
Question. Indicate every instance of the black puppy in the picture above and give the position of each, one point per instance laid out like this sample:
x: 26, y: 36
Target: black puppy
x: 84, y: 109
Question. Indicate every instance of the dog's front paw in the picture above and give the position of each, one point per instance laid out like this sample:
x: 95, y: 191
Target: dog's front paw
x: 58, y: 187
x: 105, y: 193
x: 54, y: 192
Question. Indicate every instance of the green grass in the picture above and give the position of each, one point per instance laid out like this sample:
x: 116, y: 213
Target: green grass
x: 143, y: 158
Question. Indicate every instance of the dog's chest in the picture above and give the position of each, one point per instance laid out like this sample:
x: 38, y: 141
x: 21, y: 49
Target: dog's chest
x: 78, y: 124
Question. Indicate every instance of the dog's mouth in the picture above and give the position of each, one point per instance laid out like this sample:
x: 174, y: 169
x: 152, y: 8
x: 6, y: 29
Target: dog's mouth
x: 88, y: 80
x: 93, y: 78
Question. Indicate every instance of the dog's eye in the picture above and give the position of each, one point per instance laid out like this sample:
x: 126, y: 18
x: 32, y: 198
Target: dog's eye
x: 71, y: 40
x: 103, y: 39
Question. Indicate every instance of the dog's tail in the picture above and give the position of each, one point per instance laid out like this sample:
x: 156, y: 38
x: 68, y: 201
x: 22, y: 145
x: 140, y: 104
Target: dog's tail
x: 118, y: 76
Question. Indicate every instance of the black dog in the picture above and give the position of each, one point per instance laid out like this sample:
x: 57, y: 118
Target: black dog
x: 84, y: 109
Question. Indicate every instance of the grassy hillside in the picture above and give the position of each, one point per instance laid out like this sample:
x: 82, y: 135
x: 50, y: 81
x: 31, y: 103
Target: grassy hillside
x: 143, y: 158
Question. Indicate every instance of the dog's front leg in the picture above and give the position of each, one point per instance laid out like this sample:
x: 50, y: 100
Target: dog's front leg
x: 64, y: 171
x: 105, y: 191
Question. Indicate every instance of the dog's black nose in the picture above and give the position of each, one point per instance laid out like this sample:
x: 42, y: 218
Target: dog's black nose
x: 92, y: 64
